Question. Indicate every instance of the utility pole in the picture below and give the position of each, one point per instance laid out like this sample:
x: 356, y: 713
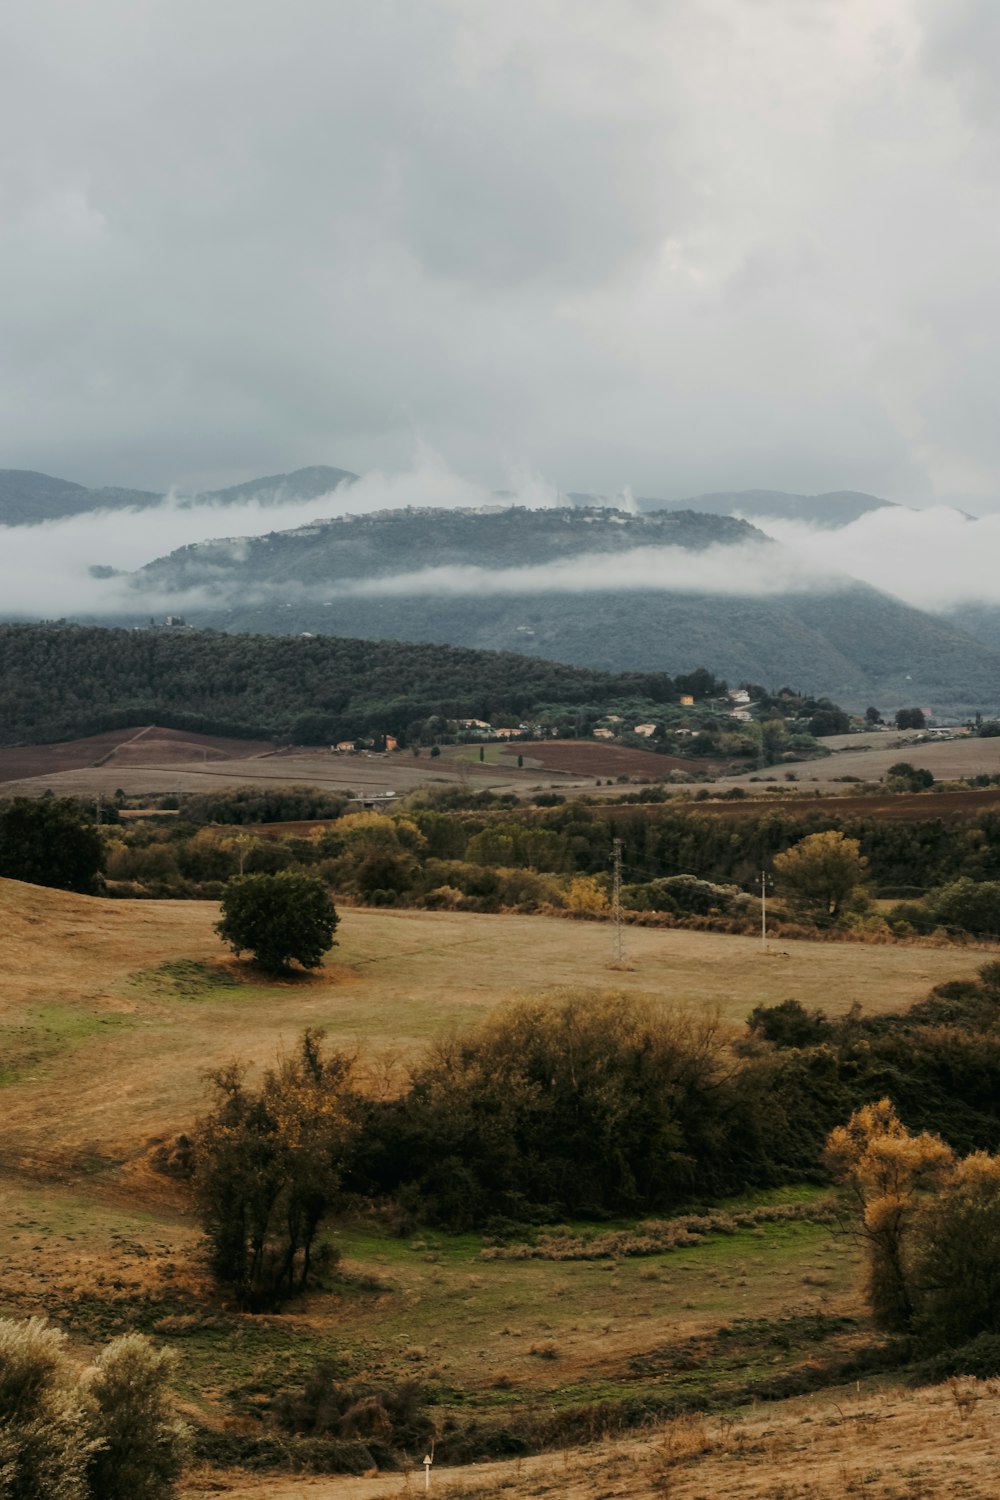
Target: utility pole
x: 763, y: 910
x: 618, y: 927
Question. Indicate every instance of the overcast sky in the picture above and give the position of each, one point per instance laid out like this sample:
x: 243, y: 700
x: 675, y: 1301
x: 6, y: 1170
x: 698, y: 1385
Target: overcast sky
x: 681, y: 245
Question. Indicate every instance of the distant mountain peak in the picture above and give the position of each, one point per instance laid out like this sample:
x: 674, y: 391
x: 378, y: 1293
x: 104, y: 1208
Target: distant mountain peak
x: 830, y: 510
x: 28, y: 497
x: 301, y: 484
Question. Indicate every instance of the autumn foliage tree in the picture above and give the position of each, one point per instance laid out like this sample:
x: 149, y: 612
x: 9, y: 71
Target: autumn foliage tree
x: 821, y: 874
x: 885, y: 1169
x: 957, y: 1261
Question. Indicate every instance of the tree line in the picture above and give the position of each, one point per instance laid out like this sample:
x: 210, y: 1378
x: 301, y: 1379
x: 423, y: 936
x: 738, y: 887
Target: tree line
x: 680, y: 863
x: 62, y: 681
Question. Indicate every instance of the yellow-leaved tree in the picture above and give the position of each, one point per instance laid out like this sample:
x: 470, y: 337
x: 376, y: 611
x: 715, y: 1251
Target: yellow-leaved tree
x: 822, y: 874
x: 886, y: 1169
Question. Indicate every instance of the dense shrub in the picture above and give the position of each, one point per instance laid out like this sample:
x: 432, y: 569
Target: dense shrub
x: 49, y: 841
x: 45, y: 1437
x: 141, y: 1442
x: 602, y: 1105
x: 956, y: 1269
x: 109, y: 1434
x: 585, y: 1104
x: 393, y: 1415
x: 268, y: 1165
x: 789, y: 1024
x: 968, y: 906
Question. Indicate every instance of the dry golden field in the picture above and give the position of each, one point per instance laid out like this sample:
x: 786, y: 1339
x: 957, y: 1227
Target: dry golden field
x: 111, y: 1011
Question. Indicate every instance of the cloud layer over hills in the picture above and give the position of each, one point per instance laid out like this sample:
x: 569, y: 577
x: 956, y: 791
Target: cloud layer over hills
x: 934, y: 559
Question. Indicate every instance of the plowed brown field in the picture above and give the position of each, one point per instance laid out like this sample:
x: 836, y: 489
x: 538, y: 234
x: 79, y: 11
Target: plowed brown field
x: 133, y: 747
x: 595, y: 758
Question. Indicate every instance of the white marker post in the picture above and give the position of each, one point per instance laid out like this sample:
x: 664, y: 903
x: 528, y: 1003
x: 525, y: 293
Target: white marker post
x: 427, y: 1471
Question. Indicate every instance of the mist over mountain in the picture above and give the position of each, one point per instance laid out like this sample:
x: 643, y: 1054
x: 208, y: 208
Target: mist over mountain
x: 663, y: 591
x: 28, y: 497
x: 823, y: 594
x: 978, y: 619
x: 382, y: 544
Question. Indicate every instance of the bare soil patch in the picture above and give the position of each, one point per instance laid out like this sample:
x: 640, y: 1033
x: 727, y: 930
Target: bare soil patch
x: 143, y: 745
x: 893, y: 807
x: 191, y: 763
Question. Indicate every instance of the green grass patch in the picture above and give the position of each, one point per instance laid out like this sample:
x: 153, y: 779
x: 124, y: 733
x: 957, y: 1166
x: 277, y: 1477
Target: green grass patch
x: 184, y: 979
x: 46, y: 1033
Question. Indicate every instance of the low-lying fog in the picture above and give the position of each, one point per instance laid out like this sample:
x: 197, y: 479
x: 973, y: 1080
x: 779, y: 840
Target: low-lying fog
x: 934, y: 558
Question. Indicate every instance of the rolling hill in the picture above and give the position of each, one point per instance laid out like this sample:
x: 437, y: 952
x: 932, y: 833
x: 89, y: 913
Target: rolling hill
x: 64, y: 681
x: 848, y: 641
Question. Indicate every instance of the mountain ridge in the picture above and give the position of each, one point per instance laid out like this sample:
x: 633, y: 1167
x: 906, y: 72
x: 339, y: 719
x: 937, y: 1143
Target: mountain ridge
x: 28, y: 497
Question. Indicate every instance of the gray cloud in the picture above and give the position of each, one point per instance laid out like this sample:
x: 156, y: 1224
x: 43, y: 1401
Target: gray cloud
x: 685, y: 247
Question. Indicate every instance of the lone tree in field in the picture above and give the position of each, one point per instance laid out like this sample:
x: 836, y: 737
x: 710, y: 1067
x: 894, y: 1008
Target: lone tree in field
x: 278, y: 918
x: 49, y: 841
x: 821, y: 873
x: 910, y: 718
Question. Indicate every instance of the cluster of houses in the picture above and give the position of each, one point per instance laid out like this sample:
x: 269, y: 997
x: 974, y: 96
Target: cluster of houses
x: 612, y: 728
x: 739, y: 707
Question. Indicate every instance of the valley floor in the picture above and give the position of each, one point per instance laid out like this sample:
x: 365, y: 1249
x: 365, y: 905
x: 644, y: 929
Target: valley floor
x: 112, y: 1011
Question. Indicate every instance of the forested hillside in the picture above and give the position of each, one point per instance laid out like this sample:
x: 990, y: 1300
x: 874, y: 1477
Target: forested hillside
x: 403, y: 541
x: 60, y: 681
x: 847, y: 640
x: 855, y: 645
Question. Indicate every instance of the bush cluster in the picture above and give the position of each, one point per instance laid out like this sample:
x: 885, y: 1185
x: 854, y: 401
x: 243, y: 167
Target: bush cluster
x: 608, y: 1105
x: 106, y: 1434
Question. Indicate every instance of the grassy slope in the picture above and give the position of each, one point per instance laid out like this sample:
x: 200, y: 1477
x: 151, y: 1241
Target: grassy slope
x: 95, y: 990
x: 881, y: 1445
x: 112, y: 1010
